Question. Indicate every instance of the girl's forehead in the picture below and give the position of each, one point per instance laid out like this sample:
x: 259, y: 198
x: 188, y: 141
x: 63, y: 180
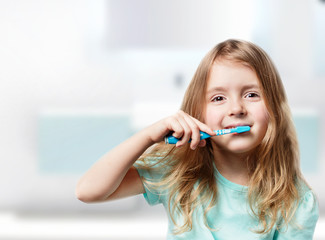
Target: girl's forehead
x: 231, y: 71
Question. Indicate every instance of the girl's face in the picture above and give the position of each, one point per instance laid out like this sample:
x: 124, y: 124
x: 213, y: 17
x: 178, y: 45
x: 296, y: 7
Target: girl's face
x: 234, y: 98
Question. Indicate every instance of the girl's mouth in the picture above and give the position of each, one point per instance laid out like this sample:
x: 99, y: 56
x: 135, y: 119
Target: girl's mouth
x: 237, y: 125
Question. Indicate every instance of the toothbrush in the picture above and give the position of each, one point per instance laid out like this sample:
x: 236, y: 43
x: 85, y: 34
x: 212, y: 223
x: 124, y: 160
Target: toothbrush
x: 204, y: 135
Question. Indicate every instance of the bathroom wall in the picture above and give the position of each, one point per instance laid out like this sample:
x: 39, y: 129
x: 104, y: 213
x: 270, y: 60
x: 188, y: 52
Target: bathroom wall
x: 72, y: 68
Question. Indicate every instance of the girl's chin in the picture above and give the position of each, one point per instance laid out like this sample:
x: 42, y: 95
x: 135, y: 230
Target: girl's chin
x: 241, y: 148
x: 238, y: 148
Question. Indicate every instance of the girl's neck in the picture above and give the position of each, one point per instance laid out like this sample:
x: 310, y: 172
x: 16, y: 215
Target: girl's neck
x: 232, y: 166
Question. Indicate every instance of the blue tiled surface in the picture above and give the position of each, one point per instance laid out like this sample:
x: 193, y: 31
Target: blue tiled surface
x: 71, y: 144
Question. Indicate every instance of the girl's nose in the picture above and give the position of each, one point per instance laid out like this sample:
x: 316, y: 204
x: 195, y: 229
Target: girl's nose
x: 237, y: 108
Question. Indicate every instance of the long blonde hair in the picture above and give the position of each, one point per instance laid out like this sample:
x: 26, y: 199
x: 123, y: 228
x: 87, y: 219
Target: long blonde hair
x: 273, y: 169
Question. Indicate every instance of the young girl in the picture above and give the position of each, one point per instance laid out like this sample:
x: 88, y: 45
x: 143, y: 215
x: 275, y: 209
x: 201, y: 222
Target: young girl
x: 246, y: 185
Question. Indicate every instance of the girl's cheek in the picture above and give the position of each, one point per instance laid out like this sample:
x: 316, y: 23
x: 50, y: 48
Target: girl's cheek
x: 212, y: 118
x: 263, y: 118
x: 264, y: 115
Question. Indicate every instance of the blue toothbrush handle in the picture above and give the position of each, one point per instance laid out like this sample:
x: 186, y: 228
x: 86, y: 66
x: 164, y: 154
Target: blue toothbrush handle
x: 203, y: 135
x: 173, y: 140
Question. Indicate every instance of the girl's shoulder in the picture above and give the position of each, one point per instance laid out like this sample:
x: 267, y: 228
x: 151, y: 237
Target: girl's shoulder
x: 152, y: 162
x: 305, y: 217
x: 308, y: 202
x: 153, y: 169
x: 305, y: 191
x: 153, y: 165
x: 155, y: 158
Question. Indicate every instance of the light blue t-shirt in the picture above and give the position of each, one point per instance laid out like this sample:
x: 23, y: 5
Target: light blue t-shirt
x: 231, y: 216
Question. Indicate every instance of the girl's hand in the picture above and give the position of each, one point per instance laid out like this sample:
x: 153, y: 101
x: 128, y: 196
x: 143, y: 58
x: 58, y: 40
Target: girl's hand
x: 183, y: 126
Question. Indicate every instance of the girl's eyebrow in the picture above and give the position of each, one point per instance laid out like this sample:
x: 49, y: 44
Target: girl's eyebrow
x: 251, y: 86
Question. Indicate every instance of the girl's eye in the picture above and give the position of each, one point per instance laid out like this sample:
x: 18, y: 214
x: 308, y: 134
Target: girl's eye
x: 252, y: 95
x: 218, y: 99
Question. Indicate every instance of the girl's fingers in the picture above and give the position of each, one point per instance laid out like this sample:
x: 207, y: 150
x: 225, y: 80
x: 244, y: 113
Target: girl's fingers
x: 195, y: 132
x: 203, y: 127
x: 185, y: 127
x: 187, y: 132
x: 176, y: 127
x: 196, y: 126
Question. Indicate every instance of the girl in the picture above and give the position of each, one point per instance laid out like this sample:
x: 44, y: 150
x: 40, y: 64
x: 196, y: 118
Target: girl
x: 246, y: 185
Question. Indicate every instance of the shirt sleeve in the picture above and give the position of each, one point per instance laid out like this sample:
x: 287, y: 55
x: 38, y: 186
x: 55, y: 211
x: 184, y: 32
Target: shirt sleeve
x: 153, y: 194
x: 305, y: 220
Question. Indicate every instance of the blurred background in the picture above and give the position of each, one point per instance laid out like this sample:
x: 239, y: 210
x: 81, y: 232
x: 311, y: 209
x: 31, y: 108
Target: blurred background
x: 79, y: 76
